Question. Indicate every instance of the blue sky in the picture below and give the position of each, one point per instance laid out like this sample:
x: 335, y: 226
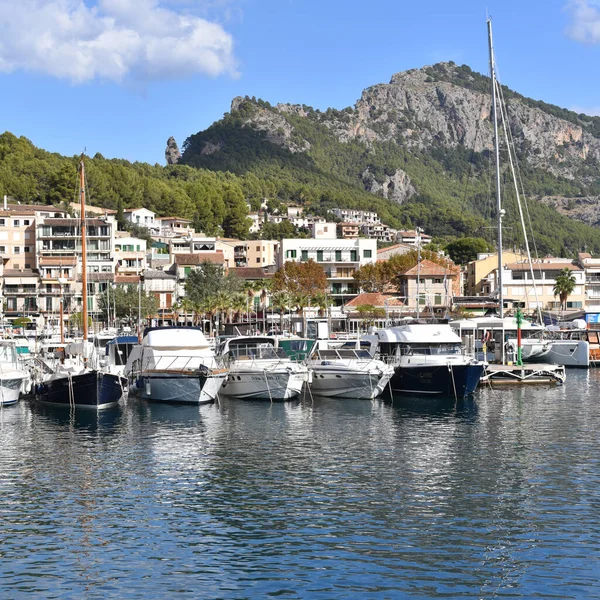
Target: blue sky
x: 120, y: 76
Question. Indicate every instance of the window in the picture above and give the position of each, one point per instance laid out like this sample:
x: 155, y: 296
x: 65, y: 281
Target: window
x: 367, y: 253
x: 2, y: 222
x: 437, y: 299
x: 2, y: 249
x: 258, y: 248
x: 49, y: 303
x: 574, y: 304
x: 26, y: 222
x: 319, y: 255
x: 16, y: 250
x: 16, y: 223
x: 421, y: 281
x: 353, y: 255
x: 338, y: 255
x: 437, y: 281
x: 304, y: 255
x: 290, y: 254
x: 257, y: 259
x: 26, y: 249
x: 27, y: 265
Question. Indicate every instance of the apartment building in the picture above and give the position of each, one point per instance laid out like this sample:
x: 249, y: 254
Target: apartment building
x: 379, y: 232
x: 412, y: 237
x: 261, y: 253
x: 174, y: 226
x: 141, y: 216
x: 352, y: 215
x: 130, y: 254
x: 348, y: 230
x: 481, y: 273
x: 339, y: 258
x: 518, y: 284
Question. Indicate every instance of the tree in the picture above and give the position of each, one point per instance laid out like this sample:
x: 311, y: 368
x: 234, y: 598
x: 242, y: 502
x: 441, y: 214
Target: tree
x: 303, y: 281
x: 564, y: 286
x: 372, y: 277
x: 208, y: 280
x: 464, y: 250
x: 126, y: 301
x: 369, y: 314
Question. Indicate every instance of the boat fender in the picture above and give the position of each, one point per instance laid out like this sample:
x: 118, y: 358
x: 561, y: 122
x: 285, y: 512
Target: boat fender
x: 509, y: 348
x: 148, y: 388
x: 139, y: 383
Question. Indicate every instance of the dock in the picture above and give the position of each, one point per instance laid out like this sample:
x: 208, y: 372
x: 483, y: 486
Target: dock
x: 529, y: 374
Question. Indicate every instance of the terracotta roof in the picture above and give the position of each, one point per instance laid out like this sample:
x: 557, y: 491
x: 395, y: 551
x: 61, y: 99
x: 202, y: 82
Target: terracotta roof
x: 23, y: 273
x: 216, y: 258
x: 584, y: 255
x: 127, y: 278
x: 428, y: 267
x: 174, y: 219
x: 251, y: 272
x: 544, y: 266
x: 401, y: 245
x: 67, y: 261
x: 375, y: 299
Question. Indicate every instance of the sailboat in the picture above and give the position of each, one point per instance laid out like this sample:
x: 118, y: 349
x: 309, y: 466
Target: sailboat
x: 79, y: 382
x: 510, y: 367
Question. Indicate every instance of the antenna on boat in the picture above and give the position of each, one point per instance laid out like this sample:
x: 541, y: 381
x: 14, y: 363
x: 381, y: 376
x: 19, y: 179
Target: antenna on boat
x: 499, y: 208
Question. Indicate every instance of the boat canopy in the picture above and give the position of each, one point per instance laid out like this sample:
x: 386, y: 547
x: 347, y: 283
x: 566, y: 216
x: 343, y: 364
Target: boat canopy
x: 419, y: 334
x: 175, y: 338
x: 507, y: 323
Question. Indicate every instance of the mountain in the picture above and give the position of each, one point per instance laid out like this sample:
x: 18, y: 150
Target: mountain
x: 418, y: 150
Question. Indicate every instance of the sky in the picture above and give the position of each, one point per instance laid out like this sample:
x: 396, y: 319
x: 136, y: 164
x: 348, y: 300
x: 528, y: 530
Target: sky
x: 119, y: 77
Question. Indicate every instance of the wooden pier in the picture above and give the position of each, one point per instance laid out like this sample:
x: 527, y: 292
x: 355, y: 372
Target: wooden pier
x: 523, y: 374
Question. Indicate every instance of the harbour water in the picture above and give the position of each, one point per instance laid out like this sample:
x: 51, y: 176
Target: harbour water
x: 494, y: 497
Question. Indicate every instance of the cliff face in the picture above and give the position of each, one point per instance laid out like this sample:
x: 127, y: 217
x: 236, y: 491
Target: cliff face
x: 439, y: 113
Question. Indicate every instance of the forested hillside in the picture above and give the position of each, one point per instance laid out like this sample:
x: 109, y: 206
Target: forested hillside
x: 416, y: 150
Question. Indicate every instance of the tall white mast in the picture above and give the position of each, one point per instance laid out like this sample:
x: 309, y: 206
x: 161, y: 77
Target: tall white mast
x: 499, y: 208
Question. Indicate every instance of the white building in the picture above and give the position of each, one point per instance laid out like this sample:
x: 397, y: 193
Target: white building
x: 141, y: 216
x: 351, y: 215
x: 339, y: 258
x: 130, y: 255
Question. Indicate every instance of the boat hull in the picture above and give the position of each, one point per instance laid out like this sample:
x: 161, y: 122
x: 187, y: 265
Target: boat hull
x: 178, y: 387
x: 569, y: 353
x: 11, y: 388
x: 262, y: 385
x: 91, y: 389
x: 348, y: 384
x: 436, y: 380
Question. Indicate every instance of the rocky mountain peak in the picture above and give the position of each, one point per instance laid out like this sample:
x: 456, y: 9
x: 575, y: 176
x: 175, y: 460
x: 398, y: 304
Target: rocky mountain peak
x: 172, y: 154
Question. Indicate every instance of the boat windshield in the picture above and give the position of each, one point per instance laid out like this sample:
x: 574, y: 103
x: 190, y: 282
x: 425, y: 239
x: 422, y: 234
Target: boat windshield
x: 7, y: 354
x: 256, y: 353
x: 342, y: 353
x: 404, y: 349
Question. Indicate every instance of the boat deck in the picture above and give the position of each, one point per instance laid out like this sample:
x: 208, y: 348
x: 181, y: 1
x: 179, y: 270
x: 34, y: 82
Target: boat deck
x: 526, y: 374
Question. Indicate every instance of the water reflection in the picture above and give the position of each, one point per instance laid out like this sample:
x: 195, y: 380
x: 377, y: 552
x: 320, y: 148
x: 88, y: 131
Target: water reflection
x: 496, y: 496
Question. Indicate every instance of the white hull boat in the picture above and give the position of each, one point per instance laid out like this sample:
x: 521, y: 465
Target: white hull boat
x: 175, y: 365
x: 260, y: 370
x: 347, y: 373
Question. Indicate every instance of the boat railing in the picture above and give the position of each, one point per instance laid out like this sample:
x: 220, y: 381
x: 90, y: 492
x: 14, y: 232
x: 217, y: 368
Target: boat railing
x: 177, y: 364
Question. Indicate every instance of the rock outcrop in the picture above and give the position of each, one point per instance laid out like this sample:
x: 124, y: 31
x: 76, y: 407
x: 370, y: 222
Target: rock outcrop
x: 172, y: 154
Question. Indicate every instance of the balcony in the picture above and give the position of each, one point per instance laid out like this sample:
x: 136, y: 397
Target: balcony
x: 18, y: 291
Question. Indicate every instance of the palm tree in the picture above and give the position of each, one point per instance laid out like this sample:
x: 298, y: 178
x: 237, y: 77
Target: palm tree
x: 564, y: 286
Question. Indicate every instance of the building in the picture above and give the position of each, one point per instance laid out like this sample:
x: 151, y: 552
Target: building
x: 387, y: 253
x: 518, y: 284
x: 412, y: 237
x: 481, y: 273
x: 352, y: 215
x: 20, y: 294
x: 142, y: 217
x: 174, y: 226
x: 130, y: 255
x: 163, y: 285
x: 339, y: 258
x: 435, y: 288
x: 261, y: 253
x: 348, y: 230
x: 379, y: 232
x: 185, y: 263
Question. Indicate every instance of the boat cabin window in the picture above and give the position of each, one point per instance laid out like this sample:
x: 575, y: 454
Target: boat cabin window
x: 264, y: 352
x: 342, y: 353
x: 7, y: 354
x: 402, y: 349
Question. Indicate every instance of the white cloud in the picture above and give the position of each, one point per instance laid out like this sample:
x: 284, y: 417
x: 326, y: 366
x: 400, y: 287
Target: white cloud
x: 113, y: 40
x: 585, y: 21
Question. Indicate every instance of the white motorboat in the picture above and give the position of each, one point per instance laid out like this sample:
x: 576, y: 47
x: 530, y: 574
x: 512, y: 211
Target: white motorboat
x: 428, y: 359
x: 348, y: 373
x: 174, y: 364
x: 13, y: 380
x: 259, y: 369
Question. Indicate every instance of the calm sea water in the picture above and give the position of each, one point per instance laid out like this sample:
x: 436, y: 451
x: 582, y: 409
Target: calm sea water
x: 494, y: 497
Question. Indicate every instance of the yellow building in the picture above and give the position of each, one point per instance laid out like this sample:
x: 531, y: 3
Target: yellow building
x: 479, y: 281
